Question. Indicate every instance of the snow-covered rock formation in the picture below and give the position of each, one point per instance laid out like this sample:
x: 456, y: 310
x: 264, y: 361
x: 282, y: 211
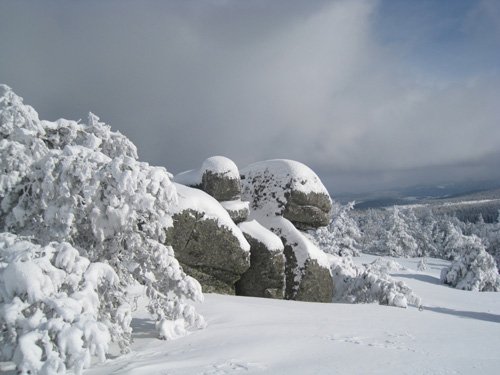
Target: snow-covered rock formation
x: 287, y: 188
x: 204, y: 236
x: 281, y: 196
x: 207, y: 243
x: 285, y: 195
x: 266, y: 275
x: 220, y: 178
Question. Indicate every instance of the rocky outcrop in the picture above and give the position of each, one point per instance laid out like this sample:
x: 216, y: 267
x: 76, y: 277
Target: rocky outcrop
x: 287, y: 188
x: 286, y: 196
x: 282, y: 196
x: 218, y: 176
x: 307, y: 269
x: 266, y: 275
x: 206, y: 242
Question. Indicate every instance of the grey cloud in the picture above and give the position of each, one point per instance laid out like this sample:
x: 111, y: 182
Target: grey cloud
x: 309, y: 81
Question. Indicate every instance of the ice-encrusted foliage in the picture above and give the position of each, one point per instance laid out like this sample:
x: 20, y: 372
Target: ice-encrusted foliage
x: 474, y: 269
x: 95, y: 135
x: 342, y: 235
x: 369, y: 283
x: 20, y: 143
x: 57, y: 308
x: 81, y: 183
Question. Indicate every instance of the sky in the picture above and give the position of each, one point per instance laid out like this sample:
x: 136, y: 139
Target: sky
x: 370, y: 94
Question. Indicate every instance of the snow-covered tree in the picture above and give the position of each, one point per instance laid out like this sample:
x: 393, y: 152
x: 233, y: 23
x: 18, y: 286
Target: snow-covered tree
x: 489, y: 233
x: 447, y: 238
x: 473, y: 269
x: 342, y: 235
x: 398, y: 239
x: 82, y: 184
x: 371, y: 224
x: 420, y: 228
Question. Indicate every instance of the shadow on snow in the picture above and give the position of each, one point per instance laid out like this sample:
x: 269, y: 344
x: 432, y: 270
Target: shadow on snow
x: 465, y: 314
x: 420, y: 277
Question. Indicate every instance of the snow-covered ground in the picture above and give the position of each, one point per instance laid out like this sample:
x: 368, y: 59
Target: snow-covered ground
x: 457, y: 332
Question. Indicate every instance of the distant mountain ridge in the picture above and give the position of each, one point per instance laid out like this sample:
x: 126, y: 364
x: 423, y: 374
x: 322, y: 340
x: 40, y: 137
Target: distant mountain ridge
x: 425, y: 194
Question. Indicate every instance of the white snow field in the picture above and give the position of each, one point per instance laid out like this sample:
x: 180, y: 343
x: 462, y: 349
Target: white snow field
x: 457, y: 332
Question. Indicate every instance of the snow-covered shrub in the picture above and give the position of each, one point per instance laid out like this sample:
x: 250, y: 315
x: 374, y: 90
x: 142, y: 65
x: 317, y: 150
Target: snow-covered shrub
x: 369, y: 283
x: 82, y: 184
x: 57, y: 308
x: 422, y: 265
x: 341, y: 236
x: 474, y: 269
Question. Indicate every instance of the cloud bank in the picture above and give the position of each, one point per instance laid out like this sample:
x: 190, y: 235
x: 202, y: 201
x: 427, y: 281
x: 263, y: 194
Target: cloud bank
x: 366, y: 94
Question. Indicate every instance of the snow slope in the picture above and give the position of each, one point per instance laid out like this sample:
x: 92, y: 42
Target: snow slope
x: 458, y: 332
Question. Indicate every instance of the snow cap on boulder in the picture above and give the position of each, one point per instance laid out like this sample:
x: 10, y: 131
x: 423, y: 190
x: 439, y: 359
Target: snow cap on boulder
x: 218, y: 176
x: 238, y: 210
x: 287, y: 188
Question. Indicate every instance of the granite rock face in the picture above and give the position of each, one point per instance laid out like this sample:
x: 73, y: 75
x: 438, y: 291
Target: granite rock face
x: 266, y: 275
x: 207, y: 251
x: 308, y: 210
x: 316, y: 284
x: 307, y: 268
x: 206, y: 242
x: 220, y: 186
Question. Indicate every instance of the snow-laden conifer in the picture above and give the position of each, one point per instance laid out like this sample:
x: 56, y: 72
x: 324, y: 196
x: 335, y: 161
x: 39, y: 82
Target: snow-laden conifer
x: 342, y: 235
x: 398, y: 240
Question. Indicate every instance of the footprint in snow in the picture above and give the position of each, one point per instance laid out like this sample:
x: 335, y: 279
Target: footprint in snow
x: 231, y: 366
x: 395, y: 341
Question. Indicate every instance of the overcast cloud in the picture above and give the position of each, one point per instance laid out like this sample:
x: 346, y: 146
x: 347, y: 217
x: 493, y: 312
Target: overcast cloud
x: 370, y: 94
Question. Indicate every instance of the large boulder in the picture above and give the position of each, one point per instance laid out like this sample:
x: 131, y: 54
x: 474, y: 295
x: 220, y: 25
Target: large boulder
x: 218, y: 176
x: 307, y: 268
x: 266, y: 275
x: 287, y: 188
x: 206, y: 242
